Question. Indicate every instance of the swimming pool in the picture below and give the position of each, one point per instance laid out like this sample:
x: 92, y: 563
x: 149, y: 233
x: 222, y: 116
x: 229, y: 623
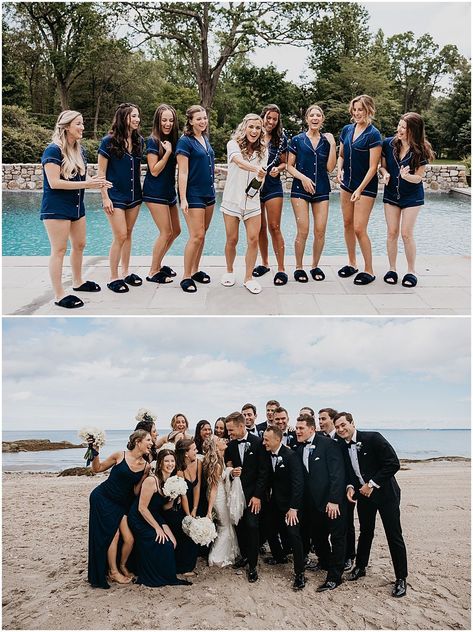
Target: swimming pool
x: 443, y: 228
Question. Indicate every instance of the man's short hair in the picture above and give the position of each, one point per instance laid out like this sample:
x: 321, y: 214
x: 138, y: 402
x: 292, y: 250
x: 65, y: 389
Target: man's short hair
x: 272, y: 402
x: 236, y: 417
x: 280, y: 409
x: 246, y: 406
x: 277, y: 431
x: 309, y: 420
x: 312, y: 412
x: 348, y: 417
x: 330, y: 411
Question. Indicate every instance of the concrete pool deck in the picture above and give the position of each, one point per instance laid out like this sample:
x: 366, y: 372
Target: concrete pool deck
x: 443, y: 289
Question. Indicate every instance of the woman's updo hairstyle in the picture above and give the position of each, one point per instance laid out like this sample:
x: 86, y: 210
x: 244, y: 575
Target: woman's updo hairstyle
x: 135, y: 438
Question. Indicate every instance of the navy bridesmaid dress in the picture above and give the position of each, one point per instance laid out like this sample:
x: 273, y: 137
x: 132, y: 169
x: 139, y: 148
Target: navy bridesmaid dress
x: 156, y: 564
x: 109, y: 502
x: 186, y: 550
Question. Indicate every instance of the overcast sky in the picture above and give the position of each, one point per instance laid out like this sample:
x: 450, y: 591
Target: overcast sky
x: 390, y: 373
x: 447, y: 22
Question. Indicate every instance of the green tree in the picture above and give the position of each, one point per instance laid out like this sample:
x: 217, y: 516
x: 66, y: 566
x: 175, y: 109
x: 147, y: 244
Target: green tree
x: 337, y: 31
x: 208, y: 35
x: 418, y: 65
x: 449, y: 121
x: 68, y: 32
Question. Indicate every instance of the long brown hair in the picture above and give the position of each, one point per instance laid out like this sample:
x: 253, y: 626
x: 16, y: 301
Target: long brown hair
x: 277, y: 132
x: 159, y: 463
x: 157, y: 132
x: 420, y: 146
x: 119, y: 132
x: 181, y: 450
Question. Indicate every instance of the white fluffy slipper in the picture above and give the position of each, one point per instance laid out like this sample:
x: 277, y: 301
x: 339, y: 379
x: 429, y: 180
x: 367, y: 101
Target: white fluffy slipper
x: 253, y: 286
x: 228, y: 279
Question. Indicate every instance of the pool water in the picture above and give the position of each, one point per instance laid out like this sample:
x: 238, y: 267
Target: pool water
x: 443, y: 228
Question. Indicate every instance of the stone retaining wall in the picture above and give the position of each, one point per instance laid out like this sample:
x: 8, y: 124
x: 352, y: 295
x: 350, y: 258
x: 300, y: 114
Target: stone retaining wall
x: 29, y: 177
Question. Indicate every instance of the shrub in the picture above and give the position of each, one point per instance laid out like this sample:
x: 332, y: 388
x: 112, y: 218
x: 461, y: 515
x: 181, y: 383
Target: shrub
x: 23, y: 139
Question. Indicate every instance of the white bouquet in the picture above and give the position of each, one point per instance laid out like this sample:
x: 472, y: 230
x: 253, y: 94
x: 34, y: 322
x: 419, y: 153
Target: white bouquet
x: 145, y: 415
x: 175, y: 486
x: 95, y: 438
x: 168, y: 446
x: 201, y: 530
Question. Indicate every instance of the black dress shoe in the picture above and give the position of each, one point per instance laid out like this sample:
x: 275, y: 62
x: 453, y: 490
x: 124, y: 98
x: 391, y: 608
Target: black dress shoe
x: 356, y: 574
x: 400, y: 588
x: 252, y: 575
x: 241, y: 562
x: 299, y: 582
x: 328, y: 586
x: 272, y: 561
x: 314, y: 566
x: 348, y: 565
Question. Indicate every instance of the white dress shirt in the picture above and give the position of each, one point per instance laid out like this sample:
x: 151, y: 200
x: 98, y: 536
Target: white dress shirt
x: 241, y: 447
x: 305, y: 454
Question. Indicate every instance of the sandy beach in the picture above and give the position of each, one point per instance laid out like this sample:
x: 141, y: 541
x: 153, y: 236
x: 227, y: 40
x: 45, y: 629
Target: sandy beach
x: 45, y: 558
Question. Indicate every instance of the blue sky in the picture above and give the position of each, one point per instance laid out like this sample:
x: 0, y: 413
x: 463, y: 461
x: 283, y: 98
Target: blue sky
x: 447, y: 22
x: 390, y: 373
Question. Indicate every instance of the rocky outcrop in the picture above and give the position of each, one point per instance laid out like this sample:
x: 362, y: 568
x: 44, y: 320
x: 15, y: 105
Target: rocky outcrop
x: 77, y: 471
x: 37, y: 445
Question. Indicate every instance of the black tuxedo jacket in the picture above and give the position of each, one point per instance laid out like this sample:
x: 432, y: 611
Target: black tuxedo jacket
x: 287, y: 480
x: 326, y: 478
x: 291, y: 439
x: 262, y: 427
x: 255, y: 472
x: 378, y: 462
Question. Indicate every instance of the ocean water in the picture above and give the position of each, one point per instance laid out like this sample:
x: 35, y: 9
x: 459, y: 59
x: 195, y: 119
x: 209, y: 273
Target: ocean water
x: 443, y: 228
x: 409, y: 444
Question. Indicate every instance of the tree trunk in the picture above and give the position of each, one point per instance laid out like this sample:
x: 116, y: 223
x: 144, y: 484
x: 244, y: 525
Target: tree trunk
x: 63, y: 94
x: 96, y: 115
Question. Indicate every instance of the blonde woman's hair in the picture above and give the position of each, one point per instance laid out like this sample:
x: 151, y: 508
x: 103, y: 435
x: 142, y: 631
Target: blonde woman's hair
x: 314, y: 106
x: 240, y: 136
x: 212, y: 463
x: 174, y: 419
x: 368, y: 105
x: 72, y: 158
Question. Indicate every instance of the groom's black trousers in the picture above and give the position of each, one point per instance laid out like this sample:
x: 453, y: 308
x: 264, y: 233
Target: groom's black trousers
x: 247, y: 531
x: 280, y: 532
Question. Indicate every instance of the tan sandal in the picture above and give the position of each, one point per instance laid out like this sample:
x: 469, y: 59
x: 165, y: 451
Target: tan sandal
x: 118, y: 578
x: 126, y: 573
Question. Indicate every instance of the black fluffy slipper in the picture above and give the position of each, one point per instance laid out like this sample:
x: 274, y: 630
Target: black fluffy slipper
x: 69, y: 302
x: 317, y: 274
x: 301, y: 276
x: 133, y: 279
x: 88, y: 286
x: 119, y: 286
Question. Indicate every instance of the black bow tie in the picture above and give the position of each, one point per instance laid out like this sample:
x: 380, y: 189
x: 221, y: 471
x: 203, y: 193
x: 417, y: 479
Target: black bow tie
x: 351, y: 442
x: 307, y: 442
x: 284, y: 434
x: 241, y: 441
x: 274, y: 456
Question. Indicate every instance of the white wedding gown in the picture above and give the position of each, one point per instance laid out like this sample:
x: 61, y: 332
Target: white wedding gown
x: 224, y: 549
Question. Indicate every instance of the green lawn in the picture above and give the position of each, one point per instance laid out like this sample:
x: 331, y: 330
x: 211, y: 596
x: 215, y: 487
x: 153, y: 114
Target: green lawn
x: 447, y: 161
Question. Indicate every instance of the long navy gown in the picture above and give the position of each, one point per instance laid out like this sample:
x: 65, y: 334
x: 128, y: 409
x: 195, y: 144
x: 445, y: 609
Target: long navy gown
x: 155, y: 561
x: 109, y: 502
x: 186, y: 550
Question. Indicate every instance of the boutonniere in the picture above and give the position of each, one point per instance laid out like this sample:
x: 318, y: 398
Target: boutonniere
x: 279, y: 461
x: 311, y: 447
x: 358, y: 446
x: 247, y: 446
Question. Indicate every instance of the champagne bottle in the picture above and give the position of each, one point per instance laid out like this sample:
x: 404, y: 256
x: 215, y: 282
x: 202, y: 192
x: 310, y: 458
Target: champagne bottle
x: 253, y: 188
